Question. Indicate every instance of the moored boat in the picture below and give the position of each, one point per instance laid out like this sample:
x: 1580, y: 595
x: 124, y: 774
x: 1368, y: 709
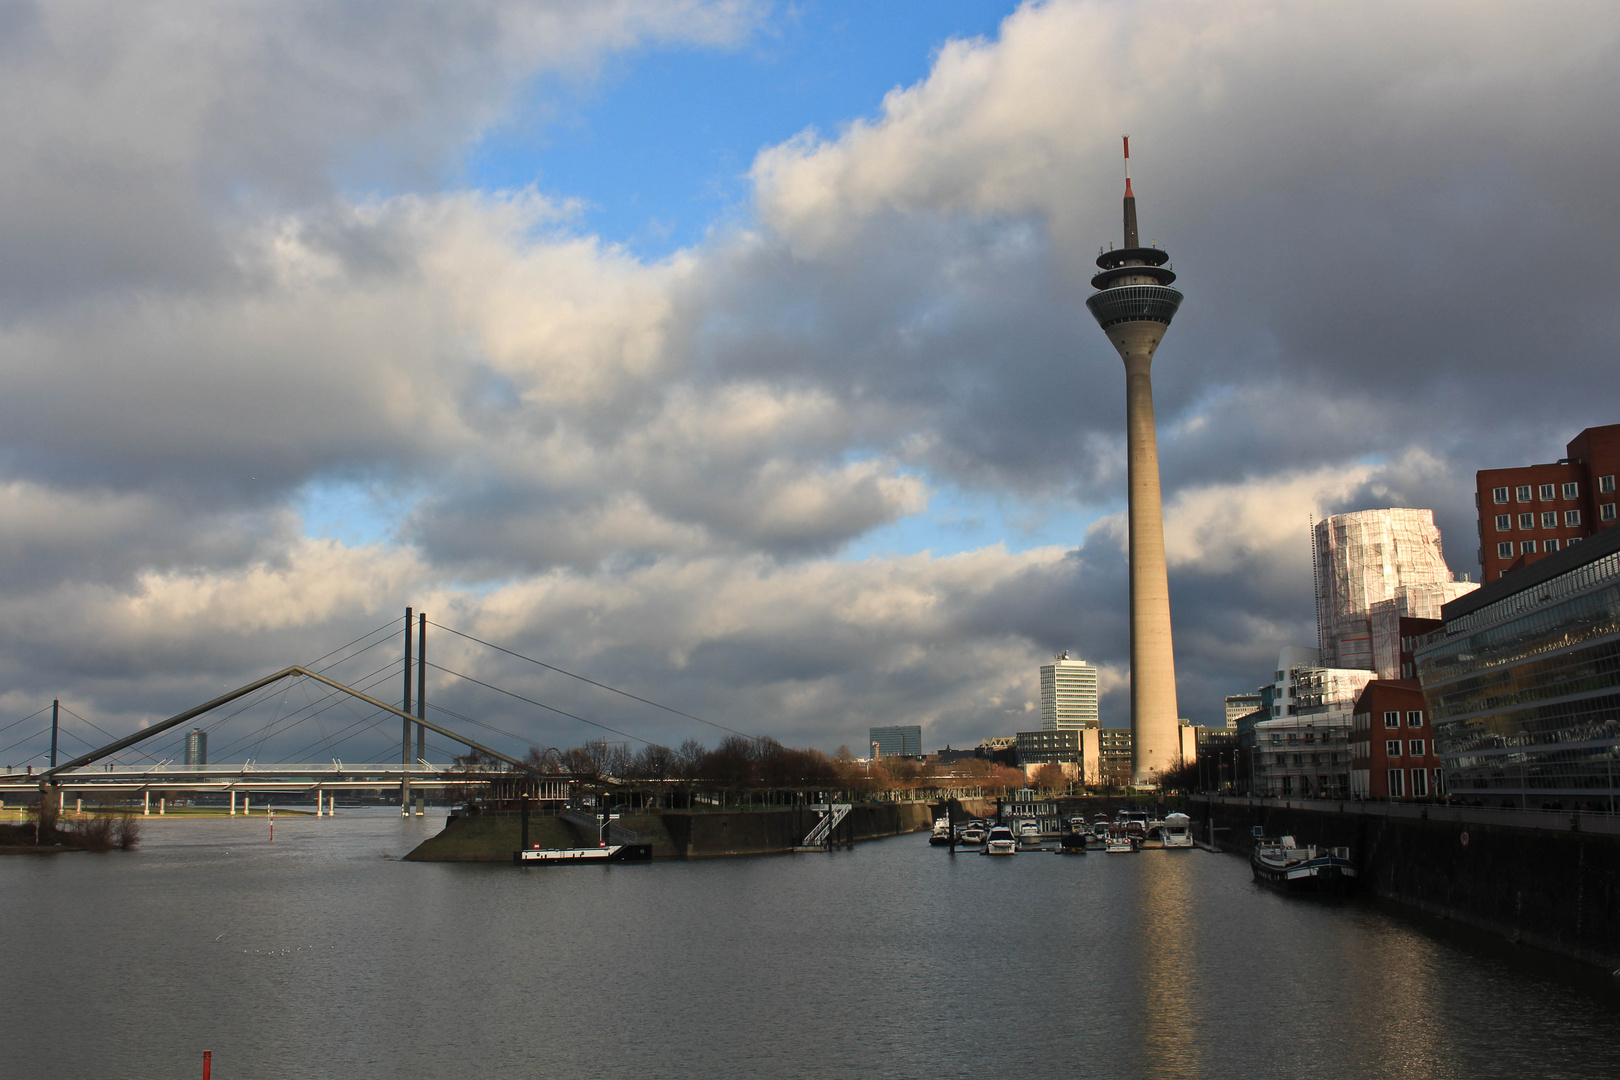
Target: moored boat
x: 1177, y: 831
x: 1029, y: 832
x: 1121, y: 839
x: 942, y: 832
x: 1285, y: 864
x: 1000, y: 841
x: 973, y: 834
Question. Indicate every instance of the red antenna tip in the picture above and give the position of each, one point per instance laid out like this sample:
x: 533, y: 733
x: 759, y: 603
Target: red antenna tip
x: 1127, y: 139
x: 1128, y: 194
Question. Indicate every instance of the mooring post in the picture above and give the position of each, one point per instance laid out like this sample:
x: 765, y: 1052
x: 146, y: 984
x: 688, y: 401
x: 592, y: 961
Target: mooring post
x: 405, y: 739
x: 56, y: 707
x: 524, y: 844
x: 208, y: 1062
x: 233, y: 802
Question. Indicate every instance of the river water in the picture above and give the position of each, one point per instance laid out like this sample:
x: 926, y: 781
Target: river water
x: 322, y: 955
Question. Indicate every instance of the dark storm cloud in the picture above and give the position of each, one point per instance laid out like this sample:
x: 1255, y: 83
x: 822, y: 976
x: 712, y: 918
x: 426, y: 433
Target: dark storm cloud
x: 1393, y: 225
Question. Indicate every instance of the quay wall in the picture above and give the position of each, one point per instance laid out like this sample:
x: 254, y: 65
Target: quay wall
x: 672, y: 834
x: 1547, y: 880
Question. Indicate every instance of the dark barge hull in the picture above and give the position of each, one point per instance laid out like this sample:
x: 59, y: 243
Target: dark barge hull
x: 1312, y: 877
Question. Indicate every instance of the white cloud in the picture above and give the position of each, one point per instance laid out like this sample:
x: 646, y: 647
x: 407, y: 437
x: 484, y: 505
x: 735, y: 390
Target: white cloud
x: 648, y: 467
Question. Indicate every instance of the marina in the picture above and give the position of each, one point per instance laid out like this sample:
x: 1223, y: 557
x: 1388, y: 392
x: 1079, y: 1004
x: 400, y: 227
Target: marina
x: 268, y: 955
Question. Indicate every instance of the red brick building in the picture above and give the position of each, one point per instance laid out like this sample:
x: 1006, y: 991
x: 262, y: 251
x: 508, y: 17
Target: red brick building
x: 1531, y: 511
x: 1392, y: 745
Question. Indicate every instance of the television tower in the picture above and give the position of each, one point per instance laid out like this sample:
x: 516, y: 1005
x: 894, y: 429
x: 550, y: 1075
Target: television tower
x: 1134, y: 305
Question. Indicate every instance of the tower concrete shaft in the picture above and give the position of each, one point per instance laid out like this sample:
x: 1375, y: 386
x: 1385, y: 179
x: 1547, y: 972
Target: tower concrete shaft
x: 1134, y: 305
x: 1156, y: 738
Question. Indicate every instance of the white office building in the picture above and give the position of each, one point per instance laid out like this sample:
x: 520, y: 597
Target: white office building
x: 1068, y: 694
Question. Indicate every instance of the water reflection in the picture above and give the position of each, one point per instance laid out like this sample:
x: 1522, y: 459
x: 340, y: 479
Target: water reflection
x: 1165, y: 934
x: 316, y: 957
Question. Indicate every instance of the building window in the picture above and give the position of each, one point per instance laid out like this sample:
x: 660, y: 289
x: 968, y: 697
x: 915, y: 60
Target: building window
x: 1527, y: 521
x: 1606, y: 512
x: 1420, y: 787
x: 1550, y: 545
x: 1504, y: 522
x: 1392, y: 719
x: 1572, y: 490
x: 1392, y: 748
x: 1499, y: 495
x: 1522, y: 493
x: 1414, y: 718
x: 1397, y: 785
x: 1527, y: 547
x: 1549, y: 519
x: 1415, y: 747
x: 1549, y: 492
x: 1504, y: 551
x: 1606, y: 484
x: 1572, y: 518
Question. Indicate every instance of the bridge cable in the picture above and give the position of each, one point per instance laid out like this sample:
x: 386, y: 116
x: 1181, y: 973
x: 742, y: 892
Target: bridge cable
x: 104, y: 731
x: 539, y: 704
x: 30, y: 716
x: 480, y: 723
x: 19, y: 742
x: 593, y: 682
x: 339, y: 698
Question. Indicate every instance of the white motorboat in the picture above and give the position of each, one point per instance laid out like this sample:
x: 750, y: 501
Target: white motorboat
x: 942, y: 832
x: 1121, y: 839
x: 1000, y: 841
x: 973, y: 834
x: 1177, y: 831
x: 1029, y: 832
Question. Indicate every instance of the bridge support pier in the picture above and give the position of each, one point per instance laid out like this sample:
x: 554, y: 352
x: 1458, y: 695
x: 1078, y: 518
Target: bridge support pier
x: 146, y: 804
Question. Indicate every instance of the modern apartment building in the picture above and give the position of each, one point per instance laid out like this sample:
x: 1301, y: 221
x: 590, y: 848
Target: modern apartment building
x: 1305, y: 748
x: 1068, y: 694
x: 1530, y: 512
x: 1392, y: 753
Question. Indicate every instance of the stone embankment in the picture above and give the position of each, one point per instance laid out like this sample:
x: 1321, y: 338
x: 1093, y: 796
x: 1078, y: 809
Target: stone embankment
x: 1544, y: 879
x: 673, y: 834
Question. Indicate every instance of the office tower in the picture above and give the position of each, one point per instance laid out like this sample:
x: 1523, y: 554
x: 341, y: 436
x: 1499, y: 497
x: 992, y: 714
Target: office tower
x: 1068, y: 694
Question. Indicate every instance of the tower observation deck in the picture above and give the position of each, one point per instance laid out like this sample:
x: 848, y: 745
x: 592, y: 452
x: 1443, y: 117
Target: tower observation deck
x: 1134, y: 304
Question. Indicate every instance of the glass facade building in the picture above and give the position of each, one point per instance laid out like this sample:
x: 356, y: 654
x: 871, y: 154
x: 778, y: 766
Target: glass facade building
x: 1523, y: 683
x: 901, y: 741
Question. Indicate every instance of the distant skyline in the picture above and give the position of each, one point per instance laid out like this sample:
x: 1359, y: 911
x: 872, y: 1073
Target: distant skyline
x: 736, y: 354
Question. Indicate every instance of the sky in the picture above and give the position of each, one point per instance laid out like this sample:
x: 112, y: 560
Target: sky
x: 735, y: 354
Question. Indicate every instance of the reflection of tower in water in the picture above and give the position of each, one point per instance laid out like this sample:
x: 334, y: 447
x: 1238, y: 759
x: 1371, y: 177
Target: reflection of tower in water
x: 1166, y: 952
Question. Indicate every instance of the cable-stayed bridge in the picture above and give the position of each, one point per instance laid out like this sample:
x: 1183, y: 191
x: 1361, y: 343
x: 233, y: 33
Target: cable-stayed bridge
x: 345, y: 712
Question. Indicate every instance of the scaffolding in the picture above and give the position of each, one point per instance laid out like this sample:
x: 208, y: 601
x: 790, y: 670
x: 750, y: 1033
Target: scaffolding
x: 1366, y: 558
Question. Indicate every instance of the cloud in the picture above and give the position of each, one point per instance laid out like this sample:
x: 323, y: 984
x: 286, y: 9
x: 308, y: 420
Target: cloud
x: 235, y: 267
